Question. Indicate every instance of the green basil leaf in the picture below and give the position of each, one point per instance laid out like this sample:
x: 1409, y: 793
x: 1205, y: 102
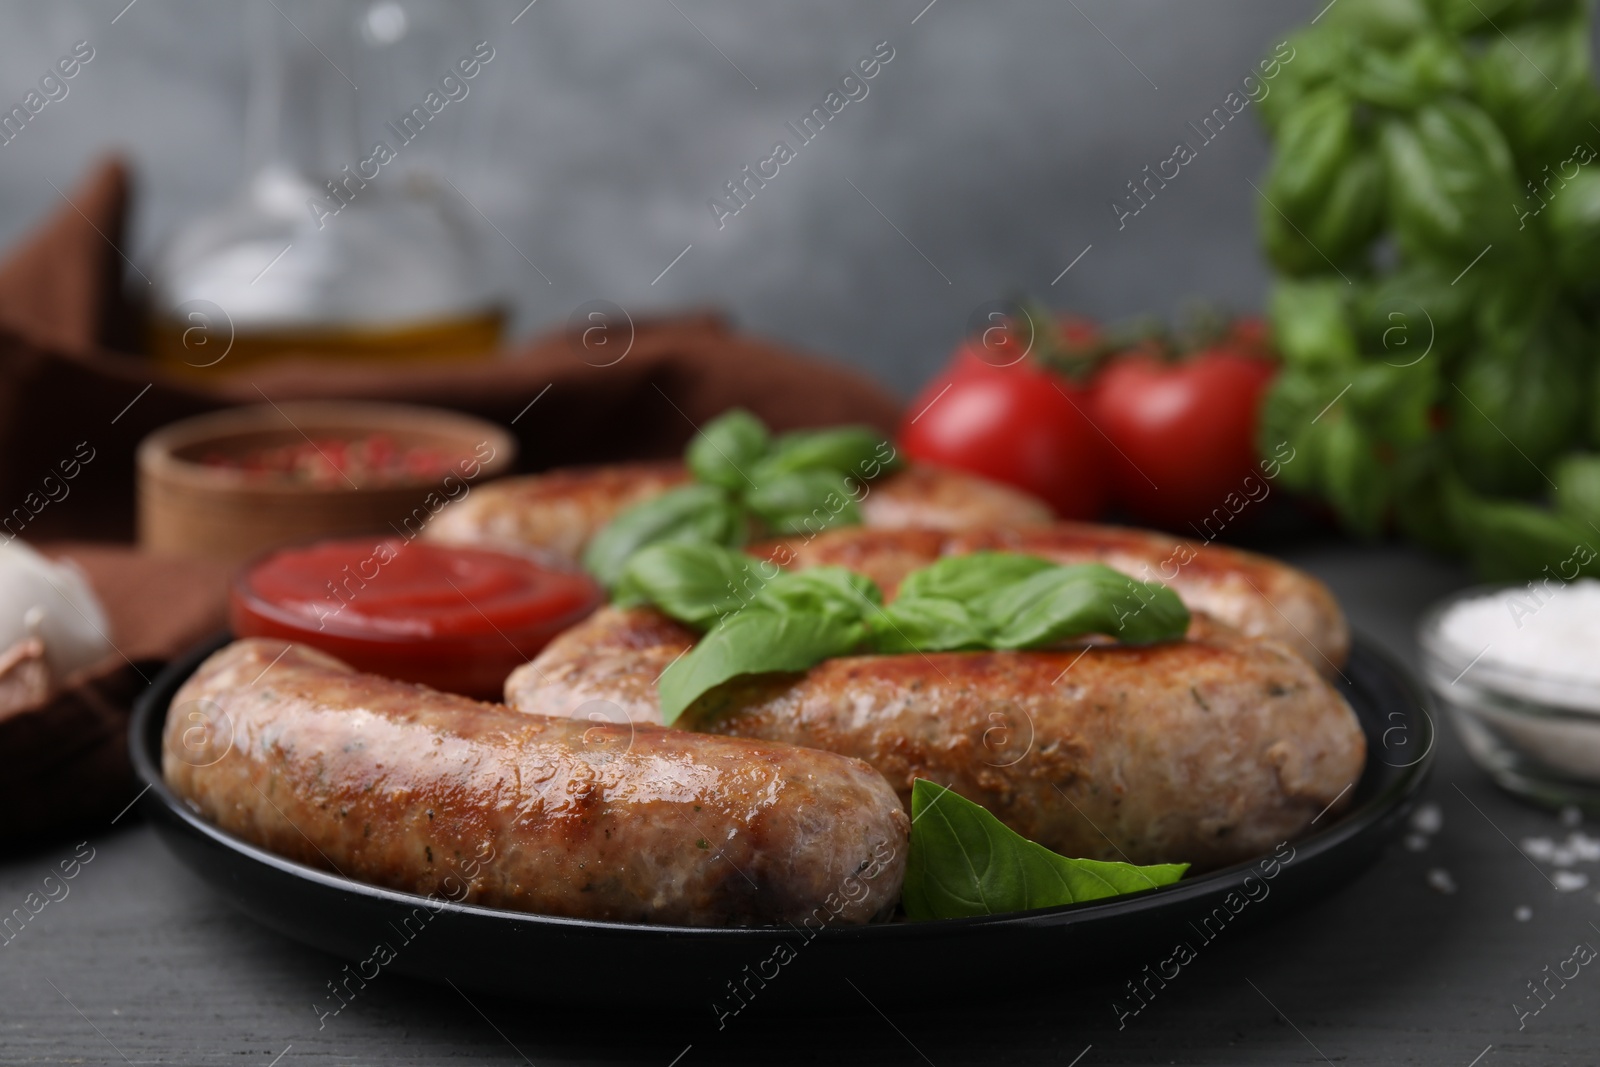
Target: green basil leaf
x: 1352, y: 478
x: 1087, y: 598
x: 926, y: 624
x: 692, y: 513
x: 1314, y: 142
x: 858, y: 451
x: 1305, y: 62
x: 1512, y: 540
x: 1381, y: 23
x: 1573, y: 224
x: 1451, y: 182
x: 1429, y: 66
x: 1339, y: 228
x: 1311, y: 323
x: 967, y: 577
x: 1519, y: 401
x: 1537, y: 82
x: 1578, y: 479
x: 966, y: 862
x: 727, y: 448
x: 831, y: 591
x: 694, y: 583
x: 804, y: 502
x: 756, y: 640
x: 1461, y: 16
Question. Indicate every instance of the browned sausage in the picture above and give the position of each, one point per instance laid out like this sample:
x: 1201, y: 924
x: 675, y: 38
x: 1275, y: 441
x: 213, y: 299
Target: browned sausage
x: 1258, y: 596
x: 562, y: 510
x: 405, y: 787
x: 558, y: 511
x: 1207, y: 750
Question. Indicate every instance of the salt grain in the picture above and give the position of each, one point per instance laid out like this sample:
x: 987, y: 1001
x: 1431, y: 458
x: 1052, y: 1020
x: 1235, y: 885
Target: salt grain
x: 1571, y: 816
x: 1539, y: 848
x: 1522, y: 913
x: 1440, y: 879
x: 1563, y: 857
x: 1427, y: 819
x: 1416, y: 842
x: 1586, y: 848
x: 1570, y: 881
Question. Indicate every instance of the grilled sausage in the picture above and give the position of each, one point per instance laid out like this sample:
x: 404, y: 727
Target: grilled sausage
x: 938, y: 498
x: 1259, y: 596
x: 1207, y: 750
x: 562, y: 510
x: 558, y: 511
x: 903, y: 515
x: 405, y: 787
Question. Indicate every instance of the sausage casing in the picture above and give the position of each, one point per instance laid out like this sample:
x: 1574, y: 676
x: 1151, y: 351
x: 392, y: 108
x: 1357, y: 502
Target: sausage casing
x: 1256, y: 595
x: 1207, y: 750
x: 404, y: 787
x: 561, y: 510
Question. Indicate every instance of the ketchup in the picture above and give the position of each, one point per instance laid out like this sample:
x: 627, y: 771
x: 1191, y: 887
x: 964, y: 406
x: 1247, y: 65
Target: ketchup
x: 453, y: 618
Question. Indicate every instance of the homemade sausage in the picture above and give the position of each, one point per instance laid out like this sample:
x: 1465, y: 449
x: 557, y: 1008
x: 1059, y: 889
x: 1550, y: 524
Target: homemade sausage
x: 1207, y: 750
x: 937, y: 498
x: 401, y: 786
x: 560, y: 511
x: 1258, y: 596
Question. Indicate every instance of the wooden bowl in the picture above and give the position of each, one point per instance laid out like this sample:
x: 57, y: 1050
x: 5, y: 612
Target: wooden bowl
x: 198, y: 508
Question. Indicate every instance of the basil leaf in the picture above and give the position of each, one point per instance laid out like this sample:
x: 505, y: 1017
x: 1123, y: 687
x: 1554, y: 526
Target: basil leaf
x: 854, y: 450
x: 726, y: 448
x: 966, y: 862
x: 804, y: 502
x: 1087, y: 598
x: 691, y: 513
x: 965, y: 578
x: 755, y: 641
x: 831, y: 591
x: 1578, y: 495
x: 694, y: 583
x: 926, y: 624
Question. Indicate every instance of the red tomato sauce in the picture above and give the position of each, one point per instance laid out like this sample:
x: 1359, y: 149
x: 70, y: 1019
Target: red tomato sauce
x: 453, y: 618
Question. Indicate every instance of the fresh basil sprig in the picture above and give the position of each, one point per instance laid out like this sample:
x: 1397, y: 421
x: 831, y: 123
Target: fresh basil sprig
x: 755, y: 642
x: 786, y: 502
x: 966, y: 862
x: 696, y: 514
x: 747, y: 482
x: 727, y: 447
x: 796, y: 619
x: 694, y: 582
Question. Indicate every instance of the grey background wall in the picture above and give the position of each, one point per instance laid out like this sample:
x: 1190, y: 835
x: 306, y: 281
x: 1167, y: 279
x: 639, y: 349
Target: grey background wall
x: 981, y: 163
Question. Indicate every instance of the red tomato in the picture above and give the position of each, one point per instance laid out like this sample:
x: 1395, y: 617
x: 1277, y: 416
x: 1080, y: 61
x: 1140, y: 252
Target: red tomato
x: 1250, y: 334
x: 1018, y: 425
x: 1184, y: 431
x: 997, y: 347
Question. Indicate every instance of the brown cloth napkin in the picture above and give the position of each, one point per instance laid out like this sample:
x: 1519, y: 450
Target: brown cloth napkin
x: 62, y: 383
x: 71, y: 386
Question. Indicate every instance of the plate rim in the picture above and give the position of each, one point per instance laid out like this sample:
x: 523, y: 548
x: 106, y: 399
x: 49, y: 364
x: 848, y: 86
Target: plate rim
x: 148, y: 719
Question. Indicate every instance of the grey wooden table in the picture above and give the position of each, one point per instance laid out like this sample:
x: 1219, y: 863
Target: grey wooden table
x: 140, y: 963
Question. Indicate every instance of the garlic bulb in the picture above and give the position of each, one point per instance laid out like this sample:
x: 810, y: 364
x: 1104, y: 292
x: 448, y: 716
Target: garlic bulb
x: 53, y: 602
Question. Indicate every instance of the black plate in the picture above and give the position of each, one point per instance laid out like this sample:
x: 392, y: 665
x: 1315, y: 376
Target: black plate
x: 544, y: 958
